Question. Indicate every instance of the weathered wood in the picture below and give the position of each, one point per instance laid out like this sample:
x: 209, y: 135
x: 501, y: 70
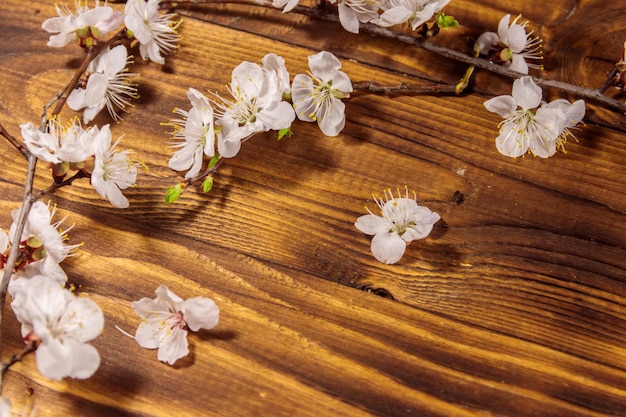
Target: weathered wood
x: 515, y: 305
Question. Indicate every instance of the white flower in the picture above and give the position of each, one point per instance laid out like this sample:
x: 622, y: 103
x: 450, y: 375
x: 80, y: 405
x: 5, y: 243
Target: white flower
x: 416, y: 12
x: 257, y: 107
x: 194, y: 135
x: 166, y: 320
x: 63, y: 323
x: 529, y: 125
x: 288, y: 4
x: 321, y: 102
x: 402, y: 221
x: 87, y: 25
x: 354, y: 12
x: 43, y: 238
x: 71, y: 143
x: 276, y: 64
x: 156, y: 33
x: 113, y: 171
x: 108, y: 84
x: 511, y: 46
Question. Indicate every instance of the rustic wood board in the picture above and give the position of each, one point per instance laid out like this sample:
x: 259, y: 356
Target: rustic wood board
x: 515, y: 305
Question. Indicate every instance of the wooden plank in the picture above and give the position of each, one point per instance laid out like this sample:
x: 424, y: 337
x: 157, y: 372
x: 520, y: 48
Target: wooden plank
x: 516, y: 304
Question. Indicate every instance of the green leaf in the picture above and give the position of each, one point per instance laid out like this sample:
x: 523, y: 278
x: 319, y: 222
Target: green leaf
x: 213, y: 161
x: 285, y: 132
x: 444, y: 21
x: 173, y: 193
x: 207, y: 184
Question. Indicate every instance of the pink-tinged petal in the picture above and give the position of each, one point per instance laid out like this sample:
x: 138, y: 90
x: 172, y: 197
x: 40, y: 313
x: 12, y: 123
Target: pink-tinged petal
x: 79, y: 312
x: 388, y: 248
x: 94, y: 16
x: 113, y: 22
x: 526, y: 93
x: 147, y: 334
x: 173, y: 346
x: 84, y: 361
x: 200, y: 313
x: 373, y: 225
x: 518, y: 63
x: 505, y: 106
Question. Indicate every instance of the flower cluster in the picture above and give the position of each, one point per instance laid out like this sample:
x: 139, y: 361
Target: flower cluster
x: 511, y: 46
x: 216, y: 127
x: 401, y: 221
x: 84, y: 152
x: 532, y: 125
x: 57, y: 322
x: 383, y: 13
x: 106, y: 82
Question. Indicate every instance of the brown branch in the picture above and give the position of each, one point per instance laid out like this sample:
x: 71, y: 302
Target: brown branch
x: 13, y: 141
x: 402, y: 88
x: 30, y: 347
x: 320, y: 13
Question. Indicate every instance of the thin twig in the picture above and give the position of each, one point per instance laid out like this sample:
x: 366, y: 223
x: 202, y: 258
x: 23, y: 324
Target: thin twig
x: 27, y: 201
x: 402, y: 88
x: 16, y: 143
x: 30, y: 347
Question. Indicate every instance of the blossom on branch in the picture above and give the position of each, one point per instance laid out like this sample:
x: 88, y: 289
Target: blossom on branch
x: 511, y: 46
x: 113, y: 171
x: 257, y: 106
x: 321, y: 102
x: 193, y: 135
x: 62, y: 324
x: 530, y: 125
x: 70, y: 143
x: 157, y: 33
x: 401, y: 221
x: 42, y: 246
x: 86, y: 25
x: 354, y: 12
x: 108, y: 84
x: 167, y: 320
x: 415, y: 12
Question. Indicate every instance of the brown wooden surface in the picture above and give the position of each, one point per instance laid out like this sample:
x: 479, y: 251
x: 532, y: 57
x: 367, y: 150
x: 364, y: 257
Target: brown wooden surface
x: 514, y: 306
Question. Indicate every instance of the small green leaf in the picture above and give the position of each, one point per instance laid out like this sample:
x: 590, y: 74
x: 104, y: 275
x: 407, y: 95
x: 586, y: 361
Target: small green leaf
x: 207, y: 184
x: 284, y: 132
x: 213, y: 161
x: 173, y: 193
x: 444, y: 21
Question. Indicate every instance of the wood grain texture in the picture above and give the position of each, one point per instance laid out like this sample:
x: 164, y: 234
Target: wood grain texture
x: 514, y: 306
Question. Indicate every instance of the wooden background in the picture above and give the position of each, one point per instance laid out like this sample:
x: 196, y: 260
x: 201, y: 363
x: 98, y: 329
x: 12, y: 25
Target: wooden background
x: 514, y: 306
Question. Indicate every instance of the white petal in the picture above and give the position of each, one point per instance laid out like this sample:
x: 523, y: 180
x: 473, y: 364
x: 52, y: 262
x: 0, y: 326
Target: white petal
x: 173, y: 346
x: 518, y: 63
x: 373, y: 225
x: 526, y: 93
x: 486, y: 41
x: 516, y: 38
x: 505, y: 106
x: 333, y: 120
x: 200, y: 313
x: 388, y: 248
x: 324, y: 65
